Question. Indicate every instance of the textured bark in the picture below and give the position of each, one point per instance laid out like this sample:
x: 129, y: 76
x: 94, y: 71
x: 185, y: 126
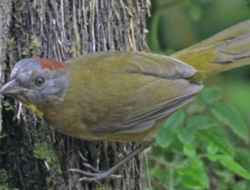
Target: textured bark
x: 4, y: 21
x: 33, y: 156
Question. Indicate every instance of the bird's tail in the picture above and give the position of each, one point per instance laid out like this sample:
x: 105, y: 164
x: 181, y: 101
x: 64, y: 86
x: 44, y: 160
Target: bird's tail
x: 226, y: 50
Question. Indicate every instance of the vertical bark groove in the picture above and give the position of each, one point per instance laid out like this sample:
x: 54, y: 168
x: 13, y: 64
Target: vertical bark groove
x: 5, y: 7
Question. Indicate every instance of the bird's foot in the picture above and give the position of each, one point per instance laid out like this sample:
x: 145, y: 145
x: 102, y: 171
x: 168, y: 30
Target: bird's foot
x: 96, y: 175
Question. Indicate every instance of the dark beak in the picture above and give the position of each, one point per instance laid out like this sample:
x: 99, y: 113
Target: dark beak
x: 10, y: 88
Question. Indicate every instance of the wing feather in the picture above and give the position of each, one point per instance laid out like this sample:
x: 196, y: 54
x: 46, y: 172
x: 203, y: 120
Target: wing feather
x: 157, y: 85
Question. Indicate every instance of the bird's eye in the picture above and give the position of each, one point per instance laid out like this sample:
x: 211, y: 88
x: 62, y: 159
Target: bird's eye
x: 39, y: 81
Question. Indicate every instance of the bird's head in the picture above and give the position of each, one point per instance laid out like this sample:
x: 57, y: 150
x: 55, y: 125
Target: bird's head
x: 37, y: 82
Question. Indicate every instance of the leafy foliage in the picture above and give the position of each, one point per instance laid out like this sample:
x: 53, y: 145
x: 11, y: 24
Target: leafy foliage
x: 205, y: 145
x: 193, y: 147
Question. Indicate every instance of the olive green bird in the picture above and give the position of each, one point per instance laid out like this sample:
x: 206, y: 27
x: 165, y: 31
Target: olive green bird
x: 123, y: 96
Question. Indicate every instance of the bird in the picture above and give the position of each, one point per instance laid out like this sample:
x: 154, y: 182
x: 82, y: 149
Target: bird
x: 123, y: 96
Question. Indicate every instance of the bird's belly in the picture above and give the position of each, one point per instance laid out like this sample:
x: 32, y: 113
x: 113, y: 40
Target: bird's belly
x: 78, y: 129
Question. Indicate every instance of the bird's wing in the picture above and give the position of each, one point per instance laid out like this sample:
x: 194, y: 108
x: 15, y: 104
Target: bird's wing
x: 164, y: 87
x: 138, y: 115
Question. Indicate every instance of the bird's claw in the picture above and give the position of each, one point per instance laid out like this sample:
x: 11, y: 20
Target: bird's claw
x: 96, y: 176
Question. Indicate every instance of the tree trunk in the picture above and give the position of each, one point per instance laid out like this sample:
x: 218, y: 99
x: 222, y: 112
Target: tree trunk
x: 4, y: 21
x: 33, y: 156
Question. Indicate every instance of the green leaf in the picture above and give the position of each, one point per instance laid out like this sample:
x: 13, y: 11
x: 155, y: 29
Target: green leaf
x: 219, y: 141
x: 186, y: 135
x: 195, y: 12
x: 3, y: 177
x: 175, y: 120
x: 230, y: 164
x: 161, y: 174
x: 243, y: 157
x: 226, y: 176
x: 164, y: 137
x: 231, y: 117
x: 166, y: 134
x: 242, y: 185
x: 197, y: 106
x: 211, y: 95
x: 211, y: 157
x: 189, y: 150
x: 200, y: 122
x: 212, y: 149
x: 194, y: 174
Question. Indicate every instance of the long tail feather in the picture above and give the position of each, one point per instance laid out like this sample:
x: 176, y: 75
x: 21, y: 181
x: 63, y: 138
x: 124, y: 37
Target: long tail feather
x: 226, y: 50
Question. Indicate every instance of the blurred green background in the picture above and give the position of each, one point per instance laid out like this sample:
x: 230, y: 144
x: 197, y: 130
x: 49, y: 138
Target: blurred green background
x: 217, y: 153
x: 176, y: 25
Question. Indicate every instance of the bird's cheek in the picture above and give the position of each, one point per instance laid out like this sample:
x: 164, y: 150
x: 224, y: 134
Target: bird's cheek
x: 32, y: 97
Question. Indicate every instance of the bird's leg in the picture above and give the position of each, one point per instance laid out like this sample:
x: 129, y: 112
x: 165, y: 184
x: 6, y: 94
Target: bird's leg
x: 98, y: 175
